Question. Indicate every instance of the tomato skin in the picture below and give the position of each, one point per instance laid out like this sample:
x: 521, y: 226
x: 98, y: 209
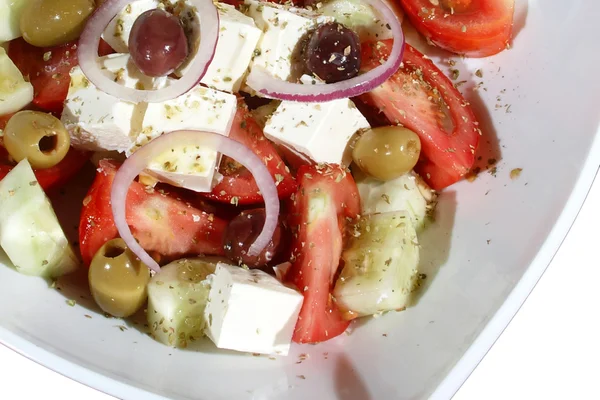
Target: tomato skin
x: 317, y: 246
x: 405, y: 99
x: 50, y: 79
x: 482, y: 28
x: 238, y: 181
x: 161, y: 222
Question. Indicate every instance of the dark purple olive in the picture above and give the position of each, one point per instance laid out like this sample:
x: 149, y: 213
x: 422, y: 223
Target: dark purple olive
x: 333, y: 53
x: 241, y: 233
x: 157, y: 43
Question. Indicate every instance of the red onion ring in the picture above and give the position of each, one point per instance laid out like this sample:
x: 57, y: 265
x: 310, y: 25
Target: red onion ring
x: 263, y: 82
x: 90, y: 39
x: 139, y: 160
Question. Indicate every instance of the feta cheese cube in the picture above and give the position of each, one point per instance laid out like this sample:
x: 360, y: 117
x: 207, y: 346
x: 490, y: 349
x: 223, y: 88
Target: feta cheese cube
x: 200, y: 109
x: 321, y: 131
x: 238, y: 37
x: 117, y: 32
x: 249, y: 310
x: 282, y: 30
x: 98, y: 121
x: 10, y: 19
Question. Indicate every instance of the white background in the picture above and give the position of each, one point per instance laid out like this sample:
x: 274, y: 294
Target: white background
x: 551, y: 349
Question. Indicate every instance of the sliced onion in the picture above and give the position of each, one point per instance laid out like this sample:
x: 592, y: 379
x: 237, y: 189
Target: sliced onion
x: 139, y: 160
x: 90, y: 39
x: 266, y: 84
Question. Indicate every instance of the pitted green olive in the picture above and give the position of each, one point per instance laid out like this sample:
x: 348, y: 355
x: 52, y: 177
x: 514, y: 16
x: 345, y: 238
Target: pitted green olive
x: 118, y: 279
x: 37, y: 136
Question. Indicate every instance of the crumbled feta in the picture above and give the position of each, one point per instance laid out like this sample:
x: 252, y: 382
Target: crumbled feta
x: 283, y: 28
x: 98, y: 121
x: 249, y: 310
x: 320, y: 131
x: 117, y: 32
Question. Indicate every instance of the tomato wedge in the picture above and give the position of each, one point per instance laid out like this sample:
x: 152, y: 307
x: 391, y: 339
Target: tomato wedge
x: 47, y: 69
x: 162, y: 223
x: 475, y: 28
x: 420, y: 97
x: 326, y: 198
x: 238, y: 185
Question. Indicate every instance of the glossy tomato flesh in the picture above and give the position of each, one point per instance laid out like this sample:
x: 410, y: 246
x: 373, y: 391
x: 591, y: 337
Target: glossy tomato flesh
x: 238, y: 186
x: 162, y: 223
x: 475, y: 28
x: 327, y: 198
x: 420, y: 97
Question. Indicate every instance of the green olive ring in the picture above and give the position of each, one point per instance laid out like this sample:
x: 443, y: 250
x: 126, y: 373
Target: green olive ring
x: 118, y: 280
x: 39, y: 137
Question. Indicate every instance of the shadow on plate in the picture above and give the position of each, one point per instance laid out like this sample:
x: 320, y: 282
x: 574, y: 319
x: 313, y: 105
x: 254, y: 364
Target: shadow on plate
x: 348, y: 383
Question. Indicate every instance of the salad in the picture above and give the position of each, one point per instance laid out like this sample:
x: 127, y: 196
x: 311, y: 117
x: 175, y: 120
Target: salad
x: 263, y: 170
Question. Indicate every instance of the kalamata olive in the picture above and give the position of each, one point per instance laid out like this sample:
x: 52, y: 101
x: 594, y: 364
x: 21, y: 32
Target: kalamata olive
x: 386, y: 153
x: 157, y: 43
x: 52, y: 22
x: 118, y: 279
x: 37, y: 136
x: 241, y: 233
x: 333, y: 53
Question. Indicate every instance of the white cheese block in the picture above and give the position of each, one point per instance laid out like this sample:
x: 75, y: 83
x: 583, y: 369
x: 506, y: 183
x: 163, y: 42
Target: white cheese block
x: 199, y: 109
x: 117, y: 31
x: 282, y: 30
x: 10, y: 19
x: 238, y: 38
x: 251, y: 311
x: 320, y: 131
x: 98, y: 121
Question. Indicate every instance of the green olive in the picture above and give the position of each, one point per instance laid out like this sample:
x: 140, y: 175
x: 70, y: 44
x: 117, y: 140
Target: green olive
x: 388, y: 152
x: 118, y: 279
x: 47, y: 23
x: 39, y: 137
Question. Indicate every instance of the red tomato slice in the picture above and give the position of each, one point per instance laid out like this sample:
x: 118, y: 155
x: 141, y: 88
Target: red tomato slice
x: 162, y: 223
x: 327, y: 196
x: 475, y: 28
x: 238, y: 183
x: 47, y: 69
x: 420, y: 97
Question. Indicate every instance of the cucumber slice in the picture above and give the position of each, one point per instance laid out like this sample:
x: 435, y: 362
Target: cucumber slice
x: 360, y: 17
x: 10, y: 19
x: 407, y: 193
x: 15, y: 93
x: 380, y: 270
x: 30, y: 233
x: 177, y: 296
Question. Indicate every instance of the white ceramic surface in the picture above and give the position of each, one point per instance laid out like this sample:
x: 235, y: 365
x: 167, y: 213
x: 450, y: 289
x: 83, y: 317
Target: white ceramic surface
x: 492, y: 240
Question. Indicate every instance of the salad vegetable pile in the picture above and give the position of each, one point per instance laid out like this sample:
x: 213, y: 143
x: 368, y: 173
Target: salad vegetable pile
x: 264, y: 170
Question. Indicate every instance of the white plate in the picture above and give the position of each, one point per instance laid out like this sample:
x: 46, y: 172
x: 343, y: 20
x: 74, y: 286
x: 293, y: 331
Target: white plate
x: 492, y: 241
